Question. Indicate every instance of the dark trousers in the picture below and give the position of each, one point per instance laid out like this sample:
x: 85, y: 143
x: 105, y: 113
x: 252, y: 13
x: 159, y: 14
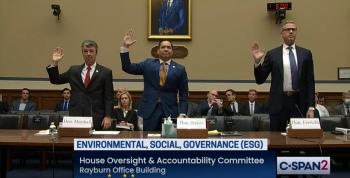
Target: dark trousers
x: 154, y: 122
x: 290, y: 108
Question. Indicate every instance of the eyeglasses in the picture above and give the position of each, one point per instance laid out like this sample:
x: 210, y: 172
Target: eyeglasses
x: 25, y: 93
x: 289, y: 29
x: 214, y: 94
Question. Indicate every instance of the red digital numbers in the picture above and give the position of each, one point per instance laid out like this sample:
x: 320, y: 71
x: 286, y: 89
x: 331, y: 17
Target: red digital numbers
x: 282, y: 6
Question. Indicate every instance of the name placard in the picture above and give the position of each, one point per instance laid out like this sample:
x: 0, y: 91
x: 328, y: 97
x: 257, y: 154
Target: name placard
x: 305, y: 123
x: 76, y: 122
x: 191, y: 123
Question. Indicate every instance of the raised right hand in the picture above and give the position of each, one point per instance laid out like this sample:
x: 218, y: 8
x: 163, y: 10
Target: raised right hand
x: 57, y: 55
x: 128, y: 41
x: 257, y: 53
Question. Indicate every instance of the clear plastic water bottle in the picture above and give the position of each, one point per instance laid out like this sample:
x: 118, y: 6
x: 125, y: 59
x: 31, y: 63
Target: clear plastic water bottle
x: 52, y: 128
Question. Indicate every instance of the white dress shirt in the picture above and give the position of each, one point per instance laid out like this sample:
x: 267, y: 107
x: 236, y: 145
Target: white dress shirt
x: 322, y: 110
x: 83, y: 72
x: 287, y: 75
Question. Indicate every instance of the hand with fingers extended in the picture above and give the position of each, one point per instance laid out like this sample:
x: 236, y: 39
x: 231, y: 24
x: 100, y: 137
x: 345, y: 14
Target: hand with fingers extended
x: 128, y: 41
x: 257, y: 53
x: 57, y: 55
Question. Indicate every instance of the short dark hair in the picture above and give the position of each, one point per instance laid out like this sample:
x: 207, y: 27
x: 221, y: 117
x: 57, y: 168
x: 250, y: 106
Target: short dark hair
x: 230, y: 90
x: 65, y: 89
x: 161, y: 41
x: 26, y: 89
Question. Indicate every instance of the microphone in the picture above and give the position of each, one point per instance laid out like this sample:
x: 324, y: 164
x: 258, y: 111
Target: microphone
x: 301, y: 114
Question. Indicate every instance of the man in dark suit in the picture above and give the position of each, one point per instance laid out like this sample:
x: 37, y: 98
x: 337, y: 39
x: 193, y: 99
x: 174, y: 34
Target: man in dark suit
x: 172, y: 18
x: 343, y: 108
x: 212, y: 106
x: 64, y: 104
x: 163, y: 78
x: 23, y: 104
x: 252, y: 106
x: 231, y: 108
x: 292, y: 91
x: 91, y: 85
x: 4, y: 107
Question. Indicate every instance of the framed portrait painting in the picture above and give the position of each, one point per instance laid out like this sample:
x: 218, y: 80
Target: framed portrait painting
x: 169, y: 19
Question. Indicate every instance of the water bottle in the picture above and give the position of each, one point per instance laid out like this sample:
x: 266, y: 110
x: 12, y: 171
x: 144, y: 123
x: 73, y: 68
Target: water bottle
x: 52, y: 128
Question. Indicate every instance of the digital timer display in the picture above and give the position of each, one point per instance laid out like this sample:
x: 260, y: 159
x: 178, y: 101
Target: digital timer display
x: 279, y: 5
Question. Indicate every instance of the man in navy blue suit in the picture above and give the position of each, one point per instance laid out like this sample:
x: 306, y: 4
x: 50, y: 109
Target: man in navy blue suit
x: 63, y: 105
x: 163, y: 78
x: 172, y: 18
x: 292, y: 91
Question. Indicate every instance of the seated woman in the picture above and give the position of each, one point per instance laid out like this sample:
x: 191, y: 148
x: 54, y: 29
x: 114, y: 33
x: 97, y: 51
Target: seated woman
x: 124, y: 114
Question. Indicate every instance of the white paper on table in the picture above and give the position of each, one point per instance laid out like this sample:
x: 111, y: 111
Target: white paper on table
x: 105, y: 132
x: 43, y: 132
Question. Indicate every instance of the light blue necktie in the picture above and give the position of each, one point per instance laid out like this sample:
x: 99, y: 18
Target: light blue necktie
x: 293, y: 69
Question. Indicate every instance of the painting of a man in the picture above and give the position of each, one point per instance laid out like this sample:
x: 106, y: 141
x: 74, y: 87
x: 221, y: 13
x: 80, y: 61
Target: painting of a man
x: 169, y: 17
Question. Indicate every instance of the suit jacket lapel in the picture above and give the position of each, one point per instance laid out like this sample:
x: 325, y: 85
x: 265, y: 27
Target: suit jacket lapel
x: 78, y: 76
x: 172, y: 8
x: 280, y: 61
x: 300, y: 60
x: 171, y: 70
x: 96, y: 73
x: 156, y: 68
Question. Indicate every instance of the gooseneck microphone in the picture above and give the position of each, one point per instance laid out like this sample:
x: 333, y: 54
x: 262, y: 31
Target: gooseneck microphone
x: 301, y: 114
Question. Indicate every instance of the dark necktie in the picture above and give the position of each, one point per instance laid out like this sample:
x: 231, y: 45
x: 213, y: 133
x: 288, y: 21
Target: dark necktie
x: 87, y: 77
x: 65, y: 106
x: 293, y: 69
x: 162, y: 74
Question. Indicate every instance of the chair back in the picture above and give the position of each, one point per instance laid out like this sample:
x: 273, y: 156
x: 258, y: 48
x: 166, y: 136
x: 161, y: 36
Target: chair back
x: 262, y: 121
x: 36, y: 122
x: 330, y: 123
x: 10, y: 121
x: 239, y: 123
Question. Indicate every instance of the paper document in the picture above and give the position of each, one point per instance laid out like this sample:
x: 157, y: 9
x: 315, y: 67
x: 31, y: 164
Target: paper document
x: 105, y: 132
x: 43, y: 132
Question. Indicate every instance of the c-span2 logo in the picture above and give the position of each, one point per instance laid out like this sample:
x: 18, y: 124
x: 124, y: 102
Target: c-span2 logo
x: 303, y: 165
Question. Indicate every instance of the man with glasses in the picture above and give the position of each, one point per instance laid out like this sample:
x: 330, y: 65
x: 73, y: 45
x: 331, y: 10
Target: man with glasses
x: 292, y: 90
x: 343, y: 108
x: 212, y: 106
x: 23, y: 104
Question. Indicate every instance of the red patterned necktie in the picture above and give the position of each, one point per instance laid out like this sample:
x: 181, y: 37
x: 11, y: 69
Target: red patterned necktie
x: 87, y: 77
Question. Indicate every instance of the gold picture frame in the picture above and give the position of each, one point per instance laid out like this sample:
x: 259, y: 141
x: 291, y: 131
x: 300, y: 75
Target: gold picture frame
x: 169, y: 21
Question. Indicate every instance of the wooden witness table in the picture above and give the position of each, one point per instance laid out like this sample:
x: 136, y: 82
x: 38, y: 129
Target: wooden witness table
x: 11, y: 139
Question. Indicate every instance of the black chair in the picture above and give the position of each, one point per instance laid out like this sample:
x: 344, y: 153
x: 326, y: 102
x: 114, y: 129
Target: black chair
x: 239, y: 123
x: 36, y: 122
x: 262, y: 121
x: 215, y: 123
x: 347, y: 121
x: 10, y: 121
x: 330, y: 123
